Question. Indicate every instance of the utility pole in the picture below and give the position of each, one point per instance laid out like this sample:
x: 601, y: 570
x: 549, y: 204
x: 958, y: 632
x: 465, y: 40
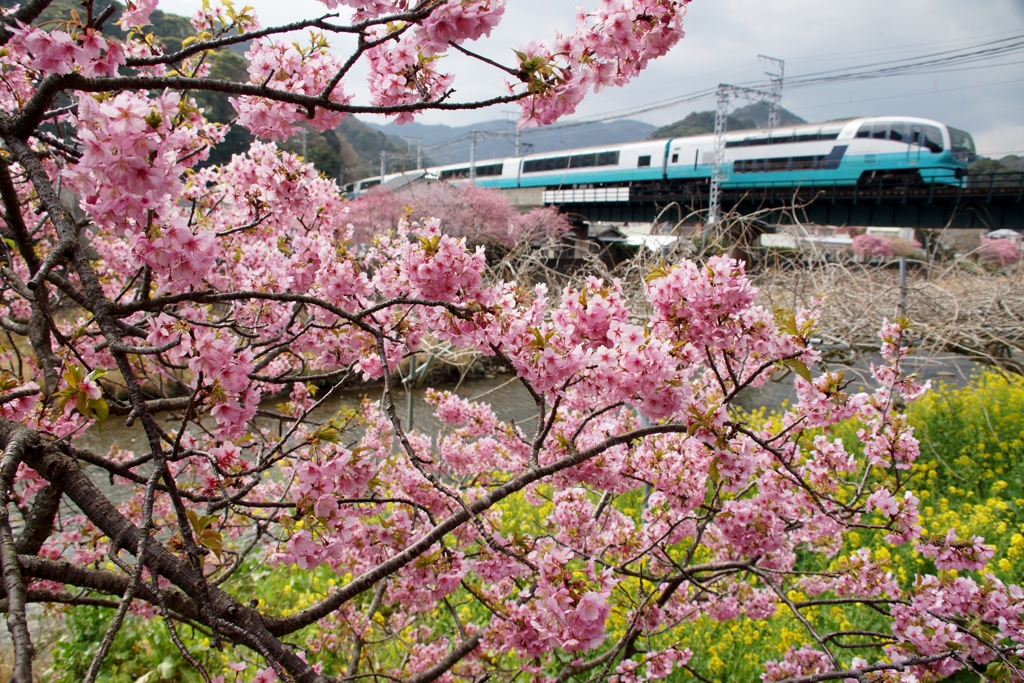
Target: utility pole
x: 775, y: 70
x: 419, y: 150
x: 383, y: 163
x: 472, y: 156
x: 519, y: 133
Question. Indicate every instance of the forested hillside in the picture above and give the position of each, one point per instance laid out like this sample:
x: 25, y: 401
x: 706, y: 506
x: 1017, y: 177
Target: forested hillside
x: 703, y: 122
x: 349, y: 152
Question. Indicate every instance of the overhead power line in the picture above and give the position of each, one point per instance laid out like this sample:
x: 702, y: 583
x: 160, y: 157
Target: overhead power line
x: 928, y: 63
x: 970, y: 57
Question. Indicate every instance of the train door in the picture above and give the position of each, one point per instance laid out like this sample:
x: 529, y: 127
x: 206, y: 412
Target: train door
x: 916, y: 142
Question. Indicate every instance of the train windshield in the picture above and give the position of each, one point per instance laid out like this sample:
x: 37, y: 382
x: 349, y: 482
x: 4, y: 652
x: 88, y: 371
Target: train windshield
x: 962, y: 144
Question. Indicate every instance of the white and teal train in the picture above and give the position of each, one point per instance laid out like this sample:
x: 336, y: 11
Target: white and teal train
x: 835, y: 153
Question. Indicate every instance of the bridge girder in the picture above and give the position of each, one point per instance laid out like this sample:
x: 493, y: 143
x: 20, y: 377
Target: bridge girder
x: 990, y: 202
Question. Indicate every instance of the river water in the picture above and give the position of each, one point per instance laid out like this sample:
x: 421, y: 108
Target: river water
x: 510, y: 400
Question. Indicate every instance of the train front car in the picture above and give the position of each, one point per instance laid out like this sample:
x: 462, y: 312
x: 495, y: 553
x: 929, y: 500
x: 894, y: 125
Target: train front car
x: 806, y: 155
x: 901, y: 150
x: 909, y: 150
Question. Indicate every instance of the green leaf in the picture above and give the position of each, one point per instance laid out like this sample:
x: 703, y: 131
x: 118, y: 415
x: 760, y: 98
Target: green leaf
x: 427, y: 560
x: 786, y: 320
x: 73, y: 376
x: 199, y: 524
x: 799, y: 367
x: 8, y: 381
x: 213, y: 540
x: 100, y: 407
x: 154, y: 119
x: 82, y: 404
x: 329, y: 434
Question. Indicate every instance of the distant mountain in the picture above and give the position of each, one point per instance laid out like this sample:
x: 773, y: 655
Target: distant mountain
x: 495, y: 139
x: 171, y: 28
x: 352, y: 151
x: 1012, y: 162
x: 1009, y: 163
x: 703, y: 122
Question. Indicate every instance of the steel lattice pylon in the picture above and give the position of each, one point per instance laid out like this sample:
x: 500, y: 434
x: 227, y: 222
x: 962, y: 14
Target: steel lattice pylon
x: 719, y: 173
x: 775, y: 70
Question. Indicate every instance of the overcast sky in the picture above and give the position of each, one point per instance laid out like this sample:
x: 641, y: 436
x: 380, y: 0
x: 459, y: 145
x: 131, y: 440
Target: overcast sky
x: 724, y: 38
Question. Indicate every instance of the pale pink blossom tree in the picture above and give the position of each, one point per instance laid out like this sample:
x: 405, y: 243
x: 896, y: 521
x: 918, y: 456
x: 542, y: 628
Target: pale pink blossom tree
x: 999, y: 253
x: 481, y: 215
x: 872, y: 245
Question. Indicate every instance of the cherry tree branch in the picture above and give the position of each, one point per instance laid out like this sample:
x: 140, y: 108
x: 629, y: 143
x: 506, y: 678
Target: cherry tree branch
x: 14, y: 583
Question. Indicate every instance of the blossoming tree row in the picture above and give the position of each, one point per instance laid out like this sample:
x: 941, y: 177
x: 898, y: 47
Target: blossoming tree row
x: 140, y: 286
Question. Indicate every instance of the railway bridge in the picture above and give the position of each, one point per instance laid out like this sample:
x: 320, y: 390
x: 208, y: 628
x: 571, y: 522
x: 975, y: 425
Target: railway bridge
x: 991, y: 201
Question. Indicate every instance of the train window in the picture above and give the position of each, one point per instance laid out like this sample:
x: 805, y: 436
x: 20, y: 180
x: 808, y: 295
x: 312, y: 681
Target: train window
x: 899, y: 132
x: 453, y: 173
x: 643, y: 161
x: 828, y: 133
x: 675, y: 158
x: 489, y: 170
x: 774, y: 165
x: 864, y: 131
x: 933, y: 139
x: 962, y: 144
x: 582, y: 160
x: 804, y: 163
x: 575, y: 161
x: 367, y: 184
x: 881, y: 130
x: 551, y: 164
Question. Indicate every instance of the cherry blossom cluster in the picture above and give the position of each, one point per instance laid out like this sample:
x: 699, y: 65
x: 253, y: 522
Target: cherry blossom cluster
x: 59, y: 52
x: 287, y: 67
x: 944, y: 613
x: 951, y: 553
x: 571, y: 615
x: 136, y: 13
x: 804, y: 661
x: 135, y: 149
x: 402, y: 74
x: 610, y: 47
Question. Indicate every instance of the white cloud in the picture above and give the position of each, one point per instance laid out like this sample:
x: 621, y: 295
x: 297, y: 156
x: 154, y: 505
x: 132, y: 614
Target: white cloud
x: 724, y: 38
x: 1000, y: 141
